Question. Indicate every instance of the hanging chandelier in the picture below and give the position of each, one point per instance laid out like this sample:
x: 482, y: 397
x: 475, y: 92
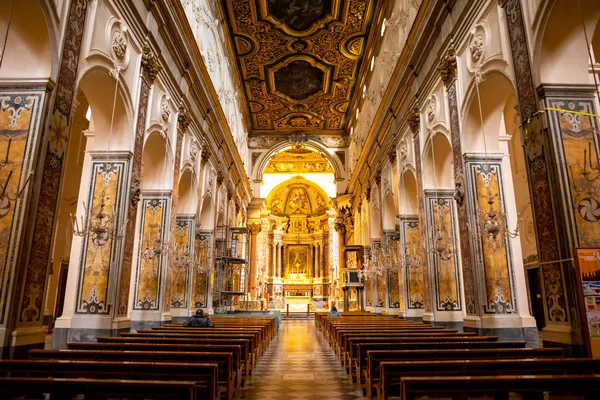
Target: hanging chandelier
x: 102, y: 224
x: 493, y: 219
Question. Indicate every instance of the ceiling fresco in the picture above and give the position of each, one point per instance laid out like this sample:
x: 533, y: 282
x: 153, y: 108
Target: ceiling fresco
x: 298, y: 61
x: 298, y: 161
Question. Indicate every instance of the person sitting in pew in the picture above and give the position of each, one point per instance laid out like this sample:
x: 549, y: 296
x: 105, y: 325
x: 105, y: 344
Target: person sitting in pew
x: 334, y: 312
x: 199, y: 320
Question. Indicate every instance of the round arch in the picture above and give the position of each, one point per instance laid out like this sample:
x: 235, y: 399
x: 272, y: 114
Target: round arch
x: 498, y: 98
x: 438, y: 146
x: 187, y: 193
x: 265, y: 157
x: 562, y: 56
x: 389, y: 211
x: 99, y: 86
x: 408, y: 194
x: 206, y: 213
x: 156, y: 164
x: 32, y: 36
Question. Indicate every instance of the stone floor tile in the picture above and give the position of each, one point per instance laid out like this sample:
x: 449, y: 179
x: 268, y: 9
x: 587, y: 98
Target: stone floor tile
x: 299, y: 349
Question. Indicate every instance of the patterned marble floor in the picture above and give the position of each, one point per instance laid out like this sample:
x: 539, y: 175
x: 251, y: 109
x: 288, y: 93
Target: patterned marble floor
x: 299, y: 364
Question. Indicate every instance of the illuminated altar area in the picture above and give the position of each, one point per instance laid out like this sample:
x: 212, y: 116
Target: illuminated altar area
x: 297, y: 232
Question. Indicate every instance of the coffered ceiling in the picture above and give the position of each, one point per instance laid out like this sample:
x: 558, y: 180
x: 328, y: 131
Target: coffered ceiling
x: 299, y: 61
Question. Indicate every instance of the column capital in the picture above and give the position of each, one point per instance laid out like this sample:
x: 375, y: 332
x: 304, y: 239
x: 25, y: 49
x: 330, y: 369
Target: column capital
x: 254, y: 227
x: 150, y: 64
x: 447, y: 67
x: 183, y: 119
x: 414, y: 119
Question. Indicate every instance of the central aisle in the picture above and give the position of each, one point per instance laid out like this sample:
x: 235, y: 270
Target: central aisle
x: 299, y: 364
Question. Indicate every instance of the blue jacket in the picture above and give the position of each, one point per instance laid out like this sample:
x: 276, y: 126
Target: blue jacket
x: 334, y: 314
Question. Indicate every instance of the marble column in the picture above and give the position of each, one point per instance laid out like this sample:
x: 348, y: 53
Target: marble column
x: 557, y: 276
x: 346, y: 304
x: 254, y: 227
x: 322, y: 262
x: 23, y: 330
x: 340, y: 228
x: 312, y: 257
x: 272, y: 259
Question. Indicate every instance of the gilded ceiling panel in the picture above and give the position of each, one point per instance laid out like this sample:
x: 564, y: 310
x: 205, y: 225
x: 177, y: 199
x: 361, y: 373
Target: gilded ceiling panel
x: 299, y: 61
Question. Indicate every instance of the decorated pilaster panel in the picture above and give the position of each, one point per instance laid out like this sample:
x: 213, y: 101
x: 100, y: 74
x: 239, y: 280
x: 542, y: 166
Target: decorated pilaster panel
x: 489, y: 234
x: 395, y: 299
x: 183, y: 261
x: 539, y: 171
x: 36, y: 265
x: 21, y: 112
x: 422, y: 220
x: 202, y: 268
x: 573, y: 132
x: 379, y: 279
x: 370, y: 291
x: 466, y: 261
x: 101, y: 245
x: 150, y: 271
x: 410, y: 237
x: 150, y: 69
x: 443, y: 255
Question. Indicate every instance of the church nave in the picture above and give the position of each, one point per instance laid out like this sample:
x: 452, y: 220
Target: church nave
x: 299, y: 365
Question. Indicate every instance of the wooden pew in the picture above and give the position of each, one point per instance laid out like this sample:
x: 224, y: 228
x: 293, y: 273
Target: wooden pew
x: 376, y: 330
x: 236, y: 351
x: 387, y: 350
x: 226, y: 376
x: 376, y: 357
x: 392, y: 372
x: 243, y: 343
x: 360, y: 363
x: 255, y: 345
x: 344, y: 341
x: 500, y: 387
x: 95, y: 389
x: 350, y: 353
x: 205, y: 375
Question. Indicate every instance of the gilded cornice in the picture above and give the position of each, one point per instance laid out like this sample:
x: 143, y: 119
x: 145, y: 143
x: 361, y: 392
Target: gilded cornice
x: 181, y: 43
x: 420, y: 41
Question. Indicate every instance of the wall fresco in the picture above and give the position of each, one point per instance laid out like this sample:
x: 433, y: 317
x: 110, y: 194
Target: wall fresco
x: 381, y: 291
x: 20, y: 120
x: 370, y: 292
x: 183, y: 262
x: 441, y: 232
x: 201, y: 275
x: 580, y: 153
x: 411, y: 258
x: 486, y: 180
x: 151, y: 253
x: 393, y: 285
x: 105, y: 198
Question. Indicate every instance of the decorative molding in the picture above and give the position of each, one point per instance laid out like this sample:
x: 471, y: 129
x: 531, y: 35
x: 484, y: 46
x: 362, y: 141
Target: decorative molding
x: 150, y: 64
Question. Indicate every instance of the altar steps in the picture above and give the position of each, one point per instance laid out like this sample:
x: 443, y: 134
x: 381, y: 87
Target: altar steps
x: 298, y: 315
